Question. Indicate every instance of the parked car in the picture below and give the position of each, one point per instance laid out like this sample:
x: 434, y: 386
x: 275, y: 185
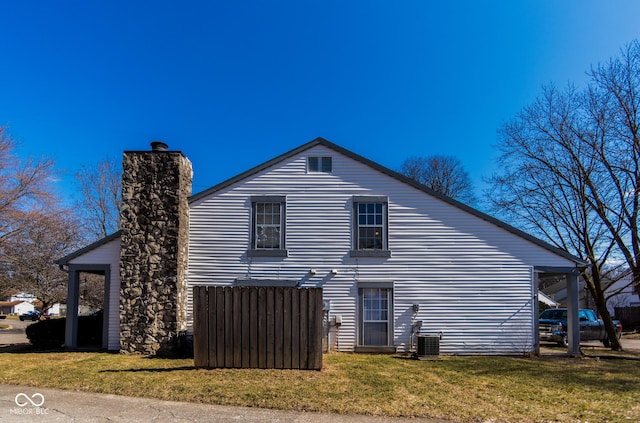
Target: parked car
x: 553, y: 326
x: 30, y: 315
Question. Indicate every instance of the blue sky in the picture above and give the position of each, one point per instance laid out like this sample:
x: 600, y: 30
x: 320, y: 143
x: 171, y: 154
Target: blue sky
x: 233, y: 84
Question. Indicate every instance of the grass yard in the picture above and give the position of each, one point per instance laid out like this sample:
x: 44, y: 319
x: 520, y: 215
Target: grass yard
x: 468, y: 389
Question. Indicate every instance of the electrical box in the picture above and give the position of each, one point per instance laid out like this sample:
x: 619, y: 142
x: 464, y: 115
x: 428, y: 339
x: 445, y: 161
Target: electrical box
x: 326, y: 305
x: 338, y: 319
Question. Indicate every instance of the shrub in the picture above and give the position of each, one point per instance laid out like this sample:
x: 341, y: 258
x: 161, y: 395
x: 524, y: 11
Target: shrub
x: 46, y: 334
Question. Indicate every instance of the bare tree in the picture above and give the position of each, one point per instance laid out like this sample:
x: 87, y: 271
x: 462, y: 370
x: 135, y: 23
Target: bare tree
x: 443, y: 174
x: 100, y: 190
x: 30, y: 257
x: 614, y: 102
x: 25, y: 199
x: 25, y: 189
x: 571, y: 172
x: 91, y: 291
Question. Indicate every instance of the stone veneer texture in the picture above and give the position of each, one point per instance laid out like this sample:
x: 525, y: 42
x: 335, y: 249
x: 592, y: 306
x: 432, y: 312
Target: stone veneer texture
x: 156, y: 186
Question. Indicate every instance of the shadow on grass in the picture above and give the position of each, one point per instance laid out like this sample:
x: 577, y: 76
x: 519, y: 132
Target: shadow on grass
x: 593, y: 352
x: 155, y: 370
x: 27, y: 348
x: 620, y: 356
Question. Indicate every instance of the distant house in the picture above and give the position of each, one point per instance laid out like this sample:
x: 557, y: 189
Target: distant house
x: 392, y: 256
x: 57, y: 310
x: 623, y: 294
x: 543, y: 298
x: 18, y: 304
x: 10, y: 307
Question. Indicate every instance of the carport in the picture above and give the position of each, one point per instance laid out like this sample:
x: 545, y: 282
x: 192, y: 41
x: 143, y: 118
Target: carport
x: 73, y: 294
x: 100, y: 258
x: 573, y: 331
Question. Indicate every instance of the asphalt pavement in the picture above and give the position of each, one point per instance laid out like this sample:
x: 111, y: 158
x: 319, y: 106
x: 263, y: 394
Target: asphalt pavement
x: 15, y: 334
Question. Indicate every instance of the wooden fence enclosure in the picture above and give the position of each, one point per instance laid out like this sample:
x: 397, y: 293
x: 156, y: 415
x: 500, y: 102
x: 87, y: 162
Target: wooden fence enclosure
x: 629, y: 317
x: 257, y: 327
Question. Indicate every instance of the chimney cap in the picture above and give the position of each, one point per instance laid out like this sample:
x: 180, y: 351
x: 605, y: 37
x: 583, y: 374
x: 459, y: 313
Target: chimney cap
x: 159, y: 146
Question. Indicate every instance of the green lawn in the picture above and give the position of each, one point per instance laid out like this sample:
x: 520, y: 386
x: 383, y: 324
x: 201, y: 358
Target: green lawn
x: 470, y: 389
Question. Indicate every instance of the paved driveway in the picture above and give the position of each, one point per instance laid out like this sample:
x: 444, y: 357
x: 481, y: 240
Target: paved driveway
x: 16, y: 334
x: 591, y: 347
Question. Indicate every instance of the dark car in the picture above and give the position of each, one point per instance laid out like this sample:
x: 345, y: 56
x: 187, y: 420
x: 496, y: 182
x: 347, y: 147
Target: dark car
x: 553, y: 326
x: 30, y: 315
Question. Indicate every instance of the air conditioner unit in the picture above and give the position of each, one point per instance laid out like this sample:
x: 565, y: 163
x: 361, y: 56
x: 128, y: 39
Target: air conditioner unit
x: 428, y: 347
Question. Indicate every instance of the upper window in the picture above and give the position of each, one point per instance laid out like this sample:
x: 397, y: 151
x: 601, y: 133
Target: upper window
x: 370, y: 226
x: 267, y: 226
x: 319, y: 164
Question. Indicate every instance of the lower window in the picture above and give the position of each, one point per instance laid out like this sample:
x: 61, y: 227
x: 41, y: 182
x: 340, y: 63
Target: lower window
x: 375, y: 316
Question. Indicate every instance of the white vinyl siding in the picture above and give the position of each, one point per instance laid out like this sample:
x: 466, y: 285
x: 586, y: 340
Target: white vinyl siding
x: 472, y: 279
x: 108, y: 254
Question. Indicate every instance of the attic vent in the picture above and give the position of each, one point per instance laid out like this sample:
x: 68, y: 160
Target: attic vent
x: 428, y: 347
x: 319, y: 164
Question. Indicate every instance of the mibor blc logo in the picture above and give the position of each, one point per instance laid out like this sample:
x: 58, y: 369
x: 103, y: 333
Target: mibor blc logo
x: 29, y: 404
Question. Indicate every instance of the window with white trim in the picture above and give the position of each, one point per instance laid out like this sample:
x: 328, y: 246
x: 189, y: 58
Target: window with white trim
x: 268, y: 226
x: 375, y: 323
x: 370, y: 226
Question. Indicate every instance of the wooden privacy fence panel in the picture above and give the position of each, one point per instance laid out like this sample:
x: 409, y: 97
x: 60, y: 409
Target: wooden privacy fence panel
x: 257, y: 327
x: 629, y: 317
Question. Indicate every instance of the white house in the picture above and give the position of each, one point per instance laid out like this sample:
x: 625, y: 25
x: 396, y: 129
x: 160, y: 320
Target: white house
x: 56, y: 310
x: 18, y: 304
x: 15, y: 307
x: 388, y: 253
x: 623, y: 293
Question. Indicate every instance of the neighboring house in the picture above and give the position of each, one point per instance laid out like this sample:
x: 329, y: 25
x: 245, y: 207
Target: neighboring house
x: 556, y: 290
x: 57, y: 310
x: 10, y: 307
x: 387, y: 251
x: 623, y: 294
x: 542, y: 297
x: 18, y: 304
x: 620, y: 293
x: 23, y: 307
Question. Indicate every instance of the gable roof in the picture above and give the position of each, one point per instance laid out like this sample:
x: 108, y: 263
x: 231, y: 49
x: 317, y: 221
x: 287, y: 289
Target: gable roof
x: 66, y: 259
x: 393, y: 174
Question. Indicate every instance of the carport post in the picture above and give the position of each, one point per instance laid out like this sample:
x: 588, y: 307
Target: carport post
x: 71, y: 324
x: 573, y: 322
x: 536, y: 313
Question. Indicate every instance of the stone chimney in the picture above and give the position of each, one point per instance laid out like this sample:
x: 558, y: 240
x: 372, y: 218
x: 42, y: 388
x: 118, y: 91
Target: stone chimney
x: 156, y: 186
